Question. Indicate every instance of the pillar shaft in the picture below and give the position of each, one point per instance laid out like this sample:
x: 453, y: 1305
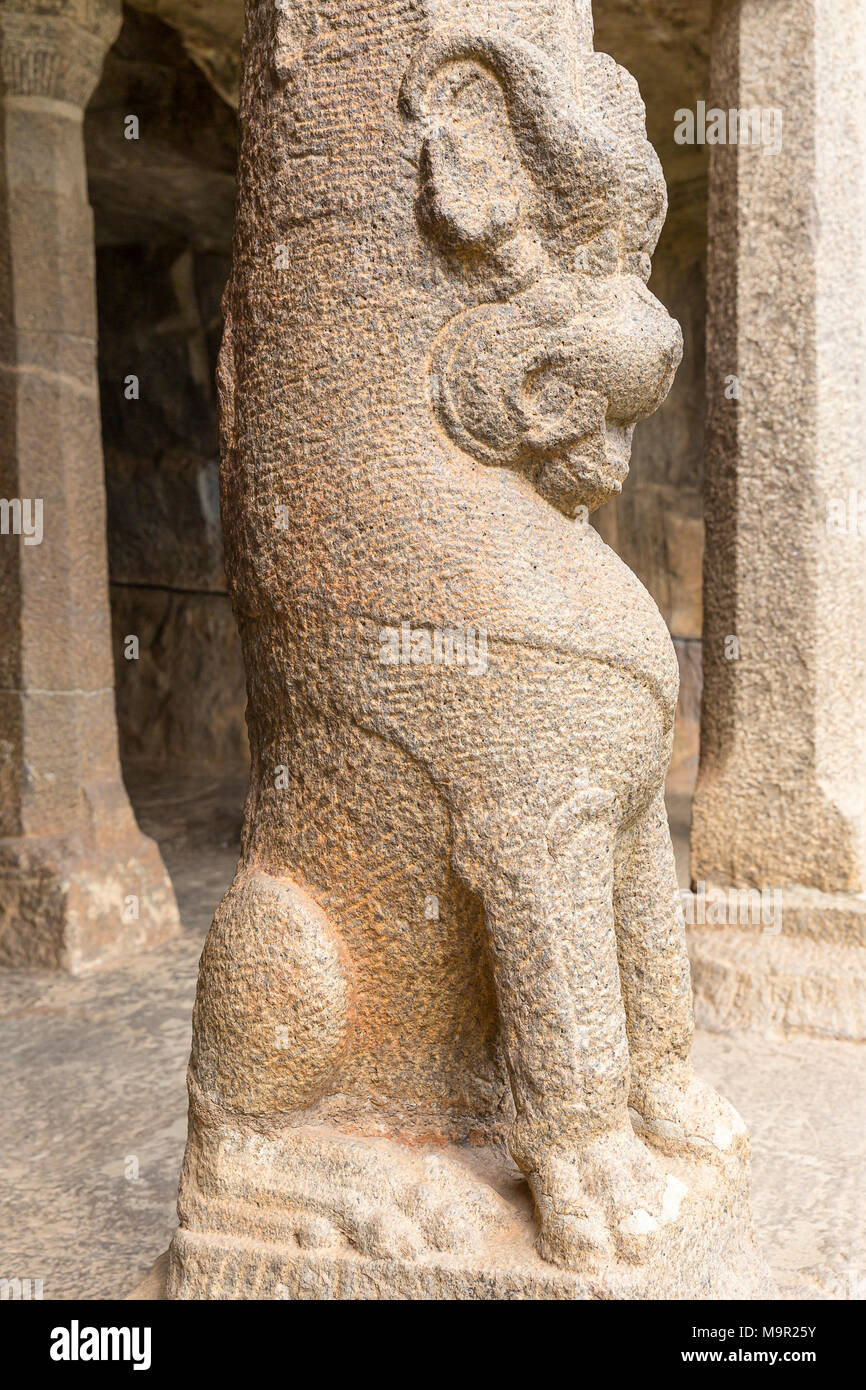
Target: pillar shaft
x: 455, y: 920
x: 71, y: 856
x: 780, y: 797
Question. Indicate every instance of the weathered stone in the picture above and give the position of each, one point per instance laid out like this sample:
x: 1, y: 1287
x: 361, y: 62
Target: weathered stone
x: 453, y: 950
x: 666, y: 37
x: 78, y: 882
x: 110, y: 1053
x: 780, y: 797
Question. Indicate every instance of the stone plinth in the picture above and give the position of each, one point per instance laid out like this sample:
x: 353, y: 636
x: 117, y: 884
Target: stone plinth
x: 272, y: 1254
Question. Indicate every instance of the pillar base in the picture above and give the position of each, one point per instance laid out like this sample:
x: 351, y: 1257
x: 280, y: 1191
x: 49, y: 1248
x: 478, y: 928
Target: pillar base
x: 260, y: 1222
x: 66, y: 904
x: 808, y: 977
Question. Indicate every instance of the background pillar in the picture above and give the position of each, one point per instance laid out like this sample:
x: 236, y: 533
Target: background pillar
x: 780, y: 799
x: 78, y: 881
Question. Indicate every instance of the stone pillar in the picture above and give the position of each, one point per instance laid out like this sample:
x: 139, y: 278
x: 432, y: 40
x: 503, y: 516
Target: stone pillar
x: 780, y: 806
x: 78, y: 881
x: 453, y: 949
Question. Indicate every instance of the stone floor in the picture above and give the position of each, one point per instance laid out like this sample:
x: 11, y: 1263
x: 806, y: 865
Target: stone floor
x: 93, y: 1117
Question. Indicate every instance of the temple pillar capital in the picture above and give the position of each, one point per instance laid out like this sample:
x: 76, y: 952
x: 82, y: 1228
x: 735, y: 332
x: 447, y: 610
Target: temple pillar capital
x: 56, y: 48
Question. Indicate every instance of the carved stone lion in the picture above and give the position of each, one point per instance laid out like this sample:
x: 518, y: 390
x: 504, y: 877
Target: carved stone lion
x: 439, y: 340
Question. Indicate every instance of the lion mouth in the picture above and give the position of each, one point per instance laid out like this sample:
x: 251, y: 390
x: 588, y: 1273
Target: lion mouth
x: 618, y: 439
x: 532, y: 384
x: 589, y: 473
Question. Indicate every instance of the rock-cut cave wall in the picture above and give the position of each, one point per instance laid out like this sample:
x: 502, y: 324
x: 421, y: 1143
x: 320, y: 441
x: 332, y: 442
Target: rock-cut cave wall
x: 163, y: 206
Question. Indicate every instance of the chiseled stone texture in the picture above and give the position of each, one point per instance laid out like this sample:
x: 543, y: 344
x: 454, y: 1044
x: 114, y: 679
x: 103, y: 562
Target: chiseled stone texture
x: 453, y: 948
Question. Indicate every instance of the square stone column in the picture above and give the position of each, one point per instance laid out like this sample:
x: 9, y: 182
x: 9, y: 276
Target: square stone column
x: 781, y: 799
x: 78, y: 881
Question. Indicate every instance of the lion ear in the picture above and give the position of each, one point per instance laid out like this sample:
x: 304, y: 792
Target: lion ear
x: 567, y: 157
x: 474, y: 189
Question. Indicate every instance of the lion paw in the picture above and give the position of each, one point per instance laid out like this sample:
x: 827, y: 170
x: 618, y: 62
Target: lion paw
x: 680, y: 1114
x: 609, y: 1199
